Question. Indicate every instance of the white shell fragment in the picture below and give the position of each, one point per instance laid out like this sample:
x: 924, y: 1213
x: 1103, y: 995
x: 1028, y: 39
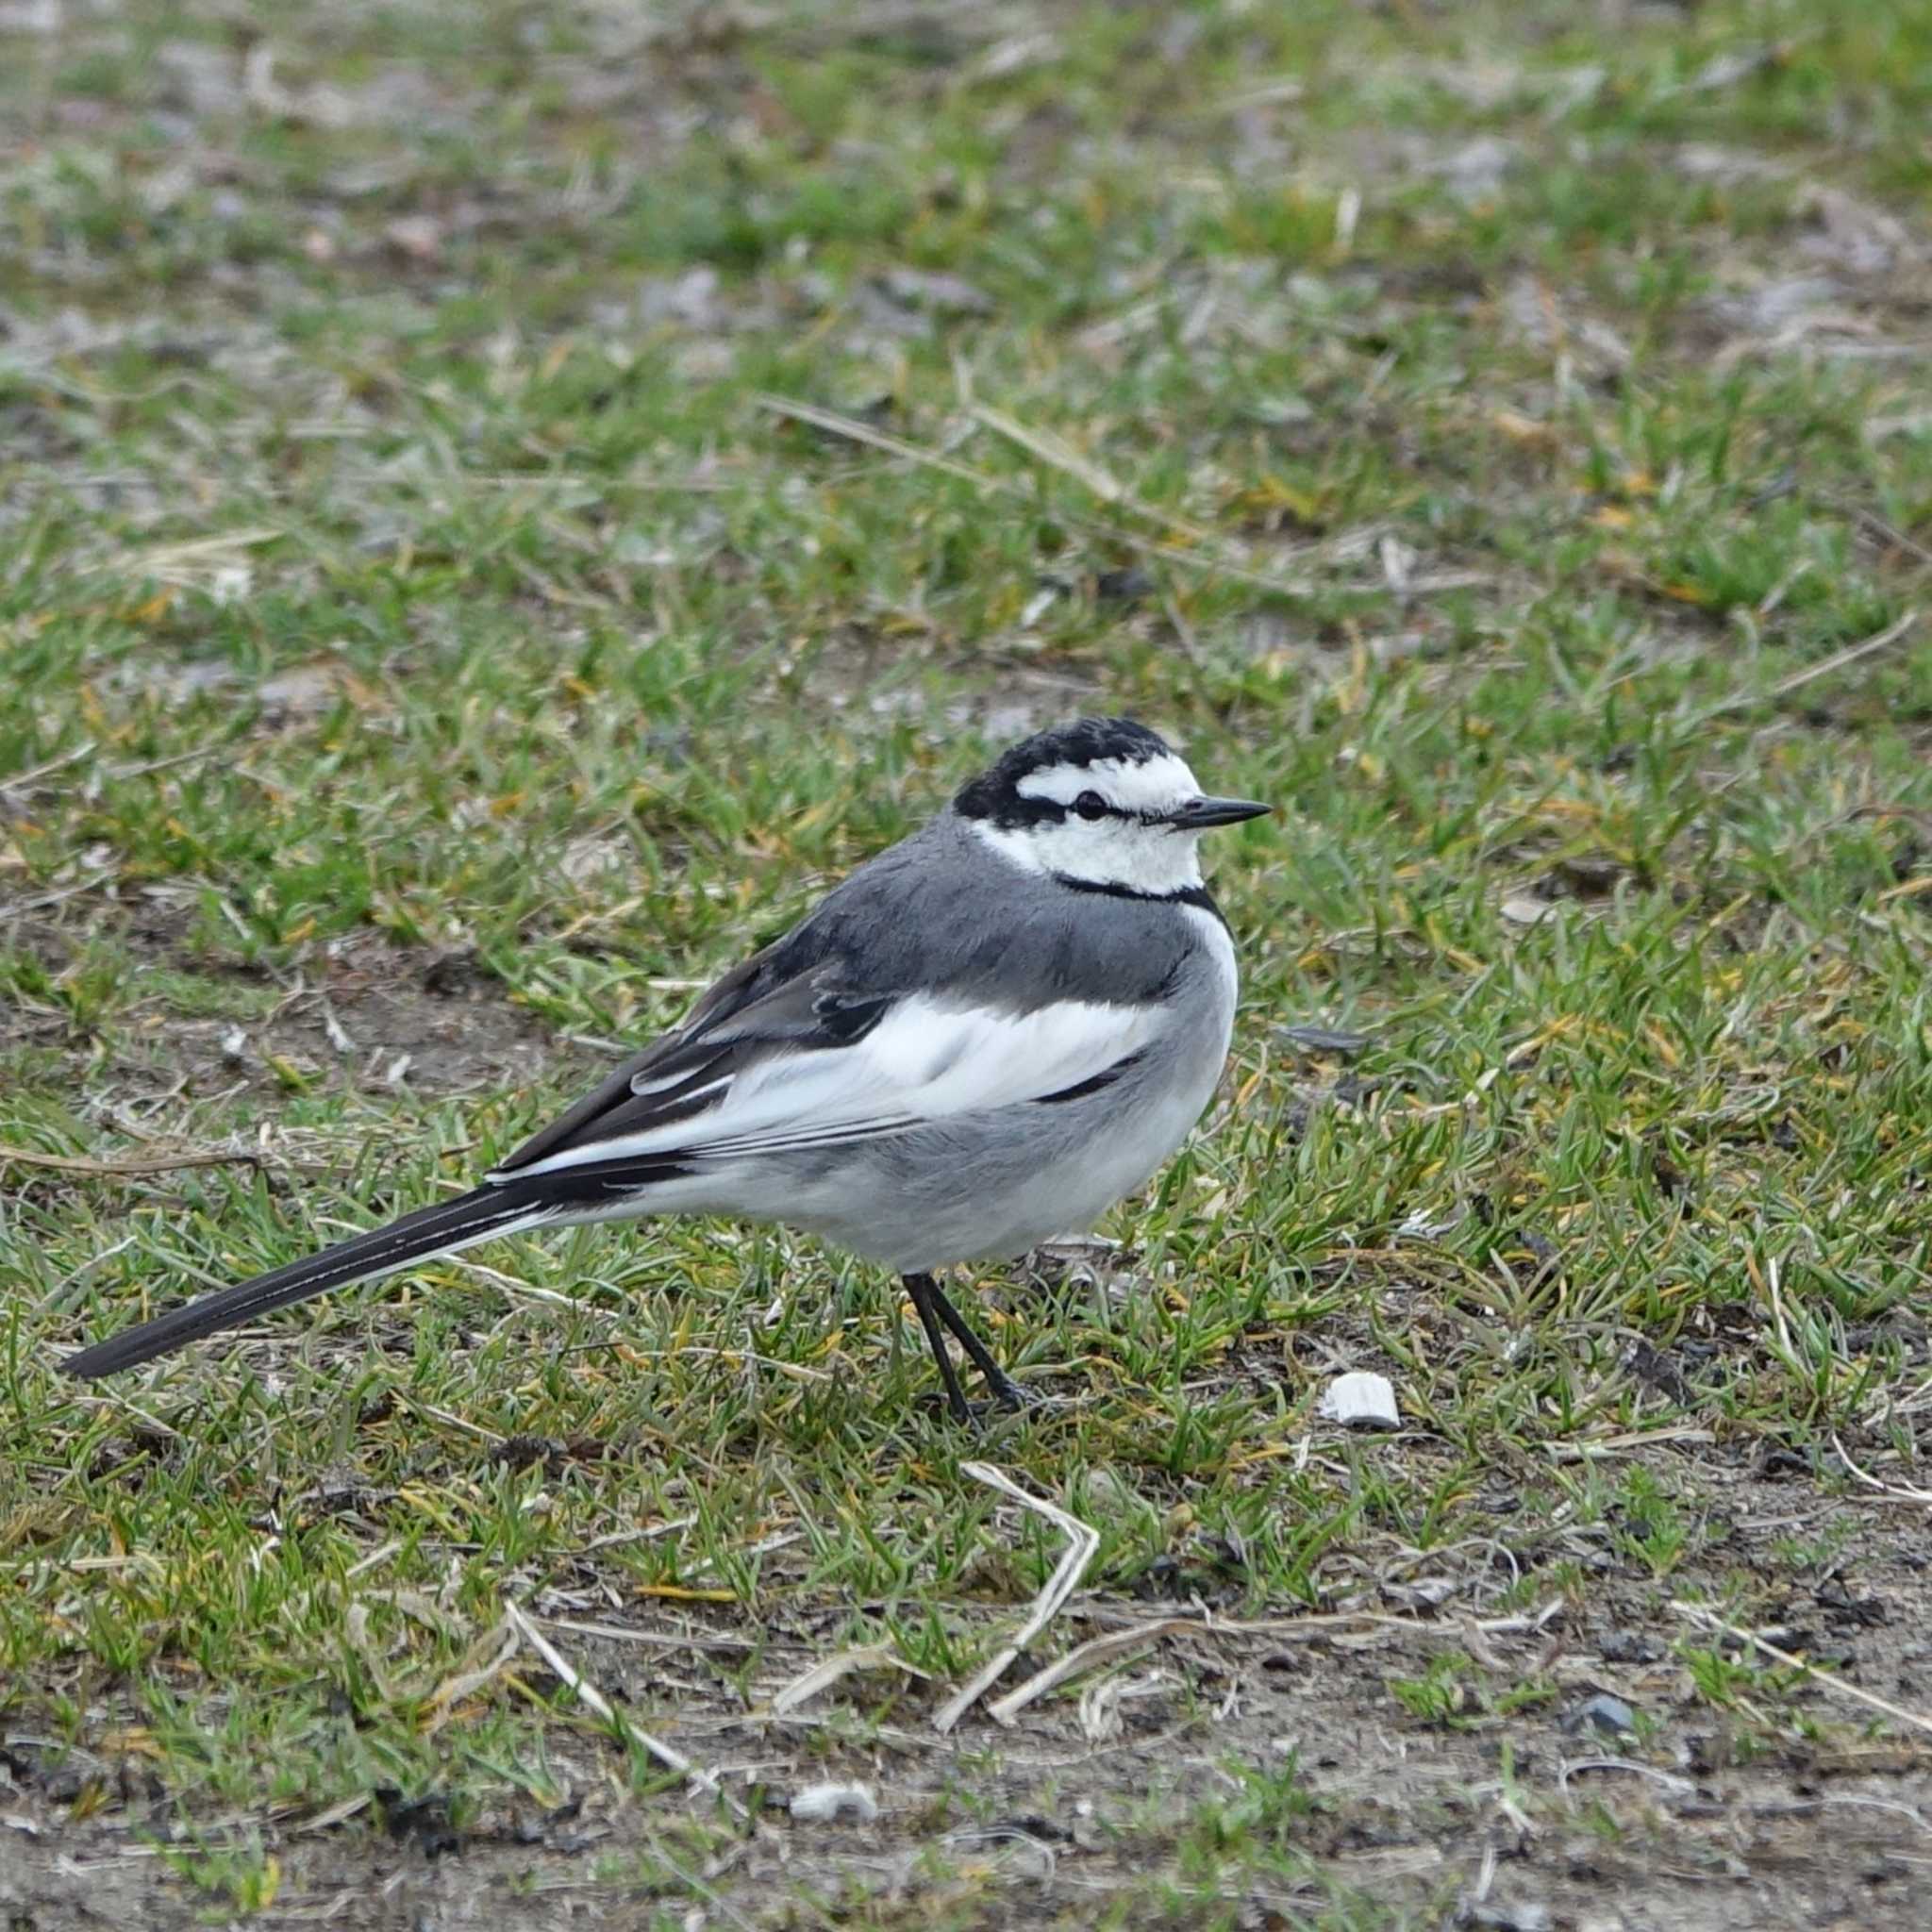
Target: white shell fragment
x: 824, y: 1803
x: 1361, y: 1400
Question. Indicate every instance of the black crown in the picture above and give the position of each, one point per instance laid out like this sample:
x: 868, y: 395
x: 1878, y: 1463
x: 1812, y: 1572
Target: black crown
x: 994, y: 794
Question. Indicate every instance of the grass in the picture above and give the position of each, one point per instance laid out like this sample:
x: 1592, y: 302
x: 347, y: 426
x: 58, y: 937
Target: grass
x: 501, y: 507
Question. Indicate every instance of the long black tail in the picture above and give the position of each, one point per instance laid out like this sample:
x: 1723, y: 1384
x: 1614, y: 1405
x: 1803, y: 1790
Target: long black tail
x: 477, y: 1216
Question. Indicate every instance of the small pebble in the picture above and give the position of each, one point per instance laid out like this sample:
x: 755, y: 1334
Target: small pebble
x: 1493, y: 1915
x: 1604, y: 1713
x: 825, y: 1804
x: 1629, y: 1647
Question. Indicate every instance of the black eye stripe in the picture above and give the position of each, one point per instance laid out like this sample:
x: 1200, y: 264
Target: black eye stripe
x: 1031, y: 811
x: 1119, y: 814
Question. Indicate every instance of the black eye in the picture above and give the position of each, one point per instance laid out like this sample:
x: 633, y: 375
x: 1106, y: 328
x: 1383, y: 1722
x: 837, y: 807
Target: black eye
x: 1089, y: 805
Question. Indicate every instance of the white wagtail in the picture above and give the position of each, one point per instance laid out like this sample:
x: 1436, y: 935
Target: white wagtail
x: 984, y: 1038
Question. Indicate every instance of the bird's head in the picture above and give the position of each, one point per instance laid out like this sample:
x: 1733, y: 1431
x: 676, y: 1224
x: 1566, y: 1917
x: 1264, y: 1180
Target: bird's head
x: 1101, y: 802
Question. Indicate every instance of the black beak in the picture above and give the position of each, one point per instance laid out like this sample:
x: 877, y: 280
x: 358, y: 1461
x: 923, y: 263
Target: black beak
x: 1199, y: 813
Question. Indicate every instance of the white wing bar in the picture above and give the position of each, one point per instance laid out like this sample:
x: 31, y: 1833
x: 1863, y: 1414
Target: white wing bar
x: 925, y: 1060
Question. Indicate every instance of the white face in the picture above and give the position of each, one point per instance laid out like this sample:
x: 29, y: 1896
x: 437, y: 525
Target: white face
x: 1111, y: 849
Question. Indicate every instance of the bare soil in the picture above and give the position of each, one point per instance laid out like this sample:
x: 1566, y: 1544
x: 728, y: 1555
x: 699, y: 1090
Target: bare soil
x: 1687, y: 1825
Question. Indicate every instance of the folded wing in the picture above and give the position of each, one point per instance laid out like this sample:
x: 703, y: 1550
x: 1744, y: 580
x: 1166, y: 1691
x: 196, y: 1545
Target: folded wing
x: 812, y: 1064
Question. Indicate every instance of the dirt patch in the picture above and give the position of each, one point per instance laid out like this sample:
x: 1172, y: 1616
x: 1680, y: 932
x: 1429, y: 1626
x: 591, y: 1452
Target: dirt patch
x: 361, y: 1014
x: 1548, y: 1767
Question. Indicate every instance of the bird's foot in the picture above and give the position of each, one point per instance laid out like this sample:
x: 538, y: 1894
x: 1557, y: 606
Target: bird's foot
x: 1006, y: 1394
x: 1000, y: 1404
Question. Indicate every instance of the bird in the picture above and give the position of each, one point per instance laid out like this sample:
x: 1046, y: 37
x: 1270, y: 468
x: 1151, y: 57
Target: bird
x: 982, y: 1038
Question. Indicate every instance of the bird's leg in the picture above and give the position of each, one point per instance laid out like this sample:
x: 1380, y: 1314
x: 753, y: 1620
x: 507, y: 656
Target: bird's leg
x: 1004, y: 1391
x: 926, y: 1293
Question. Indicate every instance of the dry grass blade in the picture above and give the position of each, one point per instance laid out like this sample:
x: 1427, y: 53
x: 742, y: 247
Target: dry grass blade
x: 1899, y: 1492
x: 1866, y: 647
x: 1212, y: 557
x: 1598, y: 1448
x: 1096, y: 479
x: 829, y: 1671
x: 1709, y: 1620
x: 1087, y: 1657
x: 657, y: 1639
x: 1119, y: 1644
x: 334, y: 1815
x: 1682, y: 1786
x: 130, y: 1168
x: 854, y: 430
x: 467, y: 1682
x: 593, y: 1699
x: 1061, y: 454
x: 791, y: 1372
x: 167, y: 562
x: 46, y: 767
x: 1082, y: 1541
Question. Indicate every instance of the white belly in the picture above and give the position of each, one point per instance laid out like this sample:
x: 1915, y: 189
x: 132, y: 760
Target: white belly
x: 986, y: 1187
